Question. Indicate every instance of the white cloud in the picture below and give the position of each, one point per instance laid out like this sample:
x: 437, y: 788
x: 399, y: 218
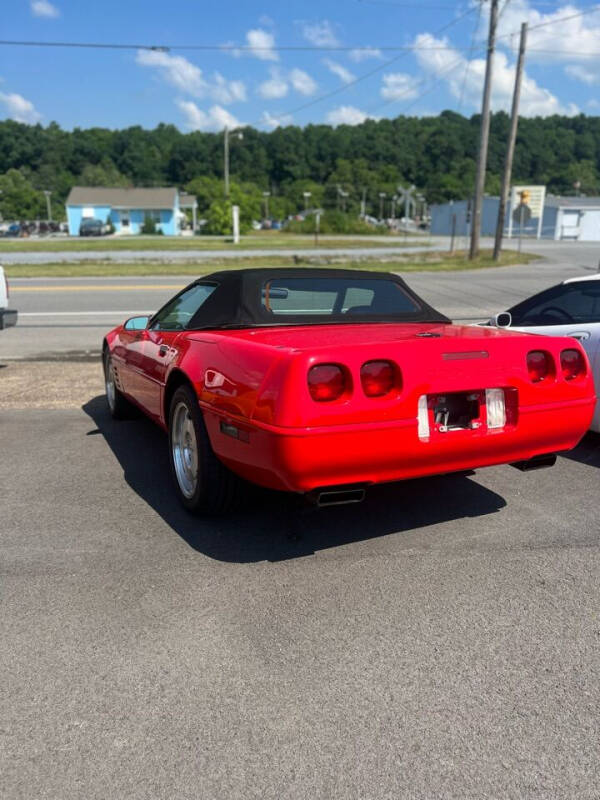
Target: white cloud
x: 450, y: 66
x: 275, y: 88
x: 215, y: 119
x: 227, y: 92
x: 364, y: 53
x: 274, y: 121
x: 580, y: 73
x: 593, y: 104
x: 346, y: 115
x: 302, y: 82
x: 321, y: 34
x: 558, y: 37
x: 43, y: 8
x: 188, y: 78
x: 261, y: 44
x: 19, y: 109
x: 176, y: 70
x: 399, y: 86
x: 343, y: 74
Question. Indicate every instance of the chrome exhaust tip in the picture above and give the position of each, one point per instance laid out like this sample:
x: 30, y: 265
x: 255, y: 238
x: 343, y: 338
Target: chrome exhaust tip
x: 342, y: 496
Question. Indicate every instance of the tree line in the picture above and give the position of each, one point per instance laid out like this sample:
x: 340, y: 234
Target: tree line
x: 436, y: 154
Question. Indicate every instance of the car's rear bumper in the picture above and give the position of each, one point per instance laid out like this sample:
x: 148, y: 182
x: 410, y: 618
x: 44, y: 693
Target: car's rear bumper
x: 300, y: 460
x: 8, y: 318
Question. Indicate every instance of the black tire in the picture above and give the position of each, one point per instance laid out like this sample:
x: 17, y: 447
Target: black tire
x: 118, y: 405
x: 215, y: 490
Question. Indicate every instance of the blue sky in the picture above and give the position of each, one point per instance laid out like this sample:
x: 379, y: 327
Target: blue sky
x: 264, y: 86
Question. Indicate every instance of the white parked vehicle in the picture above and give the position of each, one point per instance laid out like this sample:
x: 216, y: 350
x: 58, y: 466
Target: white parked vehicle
x: 572, y: 308
x: 8, y: 316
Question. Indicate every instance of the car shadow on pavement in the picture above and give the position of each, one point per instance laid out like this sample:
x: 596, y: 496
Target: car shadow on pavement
x: 276, y: 526
x: 587, y: 451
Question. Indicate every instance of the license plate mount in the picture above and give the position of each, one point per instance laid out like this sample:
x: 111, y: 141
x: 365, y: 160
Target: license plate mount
x: 456, y: 411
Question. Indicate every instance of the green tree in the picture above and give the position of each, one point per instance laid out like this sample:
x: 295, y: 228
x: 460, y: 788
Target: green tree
x: 19, y: 200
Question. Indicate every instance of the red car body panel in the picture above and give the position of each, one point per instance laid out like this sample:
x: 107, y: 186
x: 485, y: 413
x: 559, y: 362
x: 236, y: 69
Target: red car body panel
x: 254, y: 381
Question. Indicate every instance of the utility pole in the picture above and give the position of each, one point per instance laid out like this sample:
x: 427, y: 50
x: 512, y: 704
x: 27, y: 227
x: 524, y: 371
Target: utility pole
x: 510, y: 150
x: 485, y: 133
x: 266, y: 195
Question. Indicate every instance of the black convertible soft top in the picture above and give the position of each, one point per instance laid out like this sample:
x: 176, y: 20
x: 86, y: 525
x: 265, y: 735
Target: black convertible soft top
x: 303, y: 296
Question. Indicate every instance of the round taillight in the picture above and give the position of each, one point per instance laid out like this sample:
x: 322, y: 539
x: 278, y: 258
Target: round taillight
x: 572, y: 364
x: 539, y: 365
x: 377, y: 378
x: 326, y: 382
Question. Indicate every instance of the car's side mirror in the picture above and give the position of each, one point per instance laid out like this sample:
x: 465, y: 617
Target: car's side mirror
x: 136, y: 323
x: 503, y: 320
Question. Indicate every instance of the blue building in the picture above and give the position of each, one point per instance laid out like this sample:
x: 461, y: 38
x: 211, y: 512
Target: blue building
x: 127, y: 209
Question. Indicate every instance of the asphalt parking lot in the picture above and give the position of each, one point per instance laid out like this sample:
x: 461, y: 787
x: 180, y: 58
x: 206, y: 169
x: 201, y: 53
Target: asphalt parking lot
x: 440, y: 640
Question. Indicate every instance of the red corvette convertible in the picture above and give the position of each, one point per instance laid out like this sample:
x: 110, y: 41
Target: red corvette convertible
x: 323, y: 382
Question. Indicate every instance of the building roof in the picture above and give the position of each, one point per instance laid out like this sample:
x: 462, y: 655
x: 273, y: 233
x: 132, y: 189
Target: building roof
x: 187, y: 200
x: 554, y: 201
x: 150, y: 198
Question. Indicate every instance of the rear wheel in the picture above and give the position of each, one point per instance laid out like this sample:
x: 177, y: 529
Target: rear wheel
x: 118, y: 405
x: 203, y: 483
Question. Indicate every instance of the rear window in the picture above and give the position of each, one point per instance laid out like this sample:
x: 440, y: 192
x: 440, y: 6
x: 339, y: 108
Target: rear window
x: 335, y: 296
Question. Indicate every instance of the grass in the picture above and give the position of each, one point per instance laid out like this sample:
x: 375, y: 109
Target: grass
x: 428, y: 262
x: 275, y: 241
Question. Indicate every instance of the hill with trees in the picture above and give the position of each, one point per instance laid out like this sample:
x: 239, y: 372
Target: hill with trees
x: 437, y: 154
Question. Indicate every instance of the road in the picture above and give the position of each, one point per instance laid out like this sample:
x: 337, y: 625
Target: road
x: 440, y: 640
x: 70, y: 316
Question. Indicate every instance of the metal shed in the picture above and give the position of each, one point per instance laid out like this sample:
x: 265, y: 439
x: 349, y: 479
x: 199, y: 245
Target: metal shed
x: 572, y: 218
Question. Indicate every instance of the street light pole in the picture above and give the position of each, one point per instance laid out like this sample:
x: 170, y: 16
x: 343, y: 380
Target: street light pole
x: 238, y: 135
x: 266, y: 195
x: 47, y: 192
x: 381, y: 199
x: 226, y: 160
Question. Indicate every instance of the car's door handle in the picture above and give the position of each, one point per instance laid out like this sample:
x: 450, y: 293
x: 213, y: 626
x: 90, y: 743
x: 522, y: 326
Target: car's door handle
x: 580, y: 335
x: 163, y: 350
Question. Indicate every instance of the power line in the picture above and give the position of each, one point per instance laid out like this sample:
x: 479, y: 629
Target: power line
x: 365, y: 75
x: 471, y: 51
x: 584, y: 13
x: 433, y: 86
x: 229, y: 48
x: 420, y: 6
x: 542, y: 3
x: 165, y: 48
